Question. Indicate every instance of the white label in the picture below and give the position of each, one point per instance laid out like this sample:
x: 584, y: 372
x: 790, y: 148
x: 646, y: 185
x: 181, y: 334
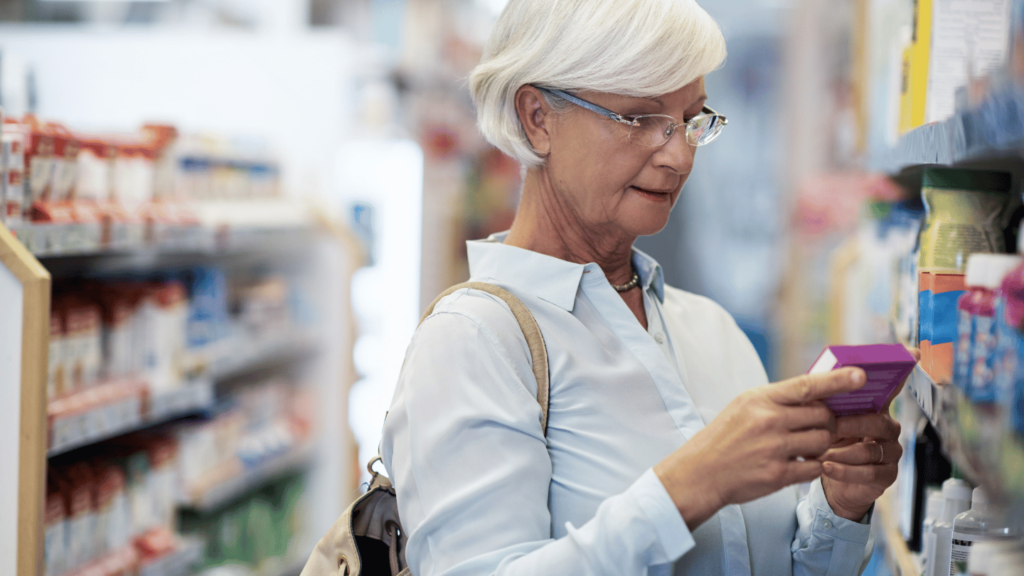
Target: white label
x: 962, y: 551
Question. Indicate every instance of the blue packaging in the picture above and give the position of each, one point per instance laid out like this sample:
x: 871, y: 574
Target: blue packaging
x: 963, y: 349
x: 208, y: 306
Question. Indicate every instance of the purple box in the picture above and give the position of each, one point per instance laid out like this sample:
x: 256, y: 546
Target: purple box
x: 886, y: 366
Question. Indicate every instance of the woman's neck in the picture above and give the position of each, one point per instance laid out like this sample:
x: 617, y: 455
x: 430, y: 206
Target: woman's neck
x: 547, y: 225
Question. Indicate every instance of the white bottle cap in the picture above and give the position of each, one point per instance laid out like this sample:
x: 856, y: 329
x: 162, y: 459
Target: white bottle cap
x: 956, y: 495
x: 979, y: 497
x: 988, y: 270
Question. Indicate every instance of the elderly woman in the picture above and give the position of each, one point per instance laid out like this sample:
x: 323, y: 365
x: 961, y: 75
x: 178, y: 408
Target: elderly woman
x: 665, y: 452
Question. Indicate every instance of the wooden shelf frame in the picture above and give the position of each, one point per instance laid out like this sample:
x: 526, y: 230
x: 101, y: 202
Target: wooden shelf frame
x: 34, y: 363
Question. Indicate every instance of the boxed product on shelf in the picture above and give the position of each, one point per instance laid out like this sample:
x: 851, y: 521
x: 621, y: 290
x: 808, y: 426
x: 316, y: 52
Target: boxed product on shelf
x: 12, y: 165
x: 254, y: 531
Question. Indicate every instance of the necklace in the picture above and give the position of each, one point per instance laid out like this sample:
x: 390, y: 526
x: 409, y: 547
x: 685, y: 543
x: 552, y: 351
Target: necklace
x: 628, y: 285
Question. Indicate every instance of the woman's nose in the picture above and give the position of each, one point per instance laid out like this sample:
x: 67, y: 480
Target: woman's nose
x: 676, y: 154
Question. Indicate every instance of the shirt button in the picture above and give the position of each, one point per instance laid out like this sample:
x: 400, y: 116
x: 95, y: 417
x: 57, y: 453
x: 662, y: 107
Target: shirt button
x: 826, y: 524
x: 659, y: 338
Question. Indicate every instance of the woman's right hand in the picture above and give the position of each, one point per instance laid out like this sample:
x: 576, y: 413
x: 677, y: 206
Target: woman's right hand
x: 766, y: 439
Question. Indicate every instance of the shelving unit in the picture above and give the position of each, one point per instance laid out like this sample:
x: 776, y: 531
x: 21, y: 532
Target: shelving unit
x: 228, y: 484
x: 250, y: 233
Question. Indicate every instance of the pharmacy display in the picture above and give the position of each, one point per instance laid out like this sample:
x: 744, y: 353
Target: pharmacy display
x: 187, y: 376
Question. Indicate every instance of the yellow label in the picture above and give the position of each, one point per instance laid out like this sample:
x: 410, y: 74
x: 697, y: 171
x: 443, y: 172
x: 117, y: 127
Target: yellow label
x: 915, y: 69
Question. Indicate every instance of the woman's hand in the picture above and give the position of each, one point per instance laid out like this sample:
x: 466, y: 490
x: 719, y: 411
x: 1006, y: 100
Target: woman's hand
x: 764, y: 440
x: 862, y: 461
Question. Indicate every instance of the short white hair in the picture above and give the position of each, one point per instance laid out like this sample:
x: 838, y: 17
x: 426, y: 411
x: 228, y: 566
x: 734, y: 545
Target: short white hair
x: 639, y: 48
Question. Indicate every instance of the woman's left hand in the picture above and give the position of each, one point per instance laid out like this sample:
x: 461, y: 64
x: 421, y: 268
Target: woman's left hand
x: 861, y: 463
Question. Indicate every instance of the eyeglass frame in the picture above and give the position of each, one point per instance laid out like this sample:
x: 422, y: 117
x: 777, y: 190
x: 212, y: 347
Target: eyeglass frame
x: 632, y: 123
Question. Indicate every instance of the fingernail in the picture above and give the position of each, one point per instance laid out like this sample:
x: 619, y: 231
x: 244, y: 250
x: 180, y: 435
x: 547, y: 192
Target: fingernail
x: 857, y: 377
x: 828, y: 467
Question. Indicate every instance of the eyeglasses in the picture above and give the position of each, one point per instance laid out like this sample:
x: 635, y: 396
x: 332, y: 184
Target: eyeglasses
x: 656, y: 129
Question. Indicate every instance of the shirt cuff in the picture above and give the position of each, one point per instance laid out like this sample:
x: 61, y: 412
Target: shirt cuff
x: 656, y: 504
x: 827, y: 523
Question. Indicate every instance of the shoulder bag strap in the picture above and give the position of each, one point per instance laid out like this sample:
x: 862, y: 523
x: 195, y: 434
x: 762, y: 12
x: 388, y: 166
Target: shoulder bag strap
x: 528, y: 324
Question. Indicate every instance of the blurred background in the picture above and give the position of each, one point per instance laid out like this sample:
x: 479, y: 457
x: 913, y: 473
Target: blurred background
x: 224, y: 192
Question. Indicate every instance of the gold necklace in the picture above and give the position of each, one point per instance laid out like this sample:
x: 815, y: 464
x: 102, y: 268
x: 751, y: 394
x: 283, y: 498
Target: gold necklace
x: 628, y: 285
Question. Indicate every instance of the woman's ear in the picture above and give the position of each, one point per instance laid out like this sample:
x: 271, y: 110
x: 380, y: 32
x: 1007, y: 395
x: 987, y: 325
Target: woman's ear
x: 533, y: 111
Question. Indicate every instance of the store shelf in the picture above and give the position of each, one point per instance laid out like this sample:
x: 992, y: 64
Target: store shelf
x: 973, y: 438
x: 233, y: 481
x: 225, y: 226
x: 98, y: 414
x: 116, y: 408
x: 181, y: 562
x: 989, y: 136
x: 241, y: 356
x: 902, y: 562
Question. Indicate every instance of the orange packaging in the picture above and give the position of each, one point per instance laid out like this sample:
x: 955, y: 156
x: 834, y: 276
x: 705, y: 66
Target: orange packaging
x: 925, y: 319
x: 946, y: 290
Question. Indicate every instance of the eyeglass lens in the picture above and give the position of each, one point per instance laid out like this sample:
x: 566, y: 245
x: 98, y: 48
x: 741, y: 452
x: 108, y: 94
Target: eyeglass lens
x: 656, y: 130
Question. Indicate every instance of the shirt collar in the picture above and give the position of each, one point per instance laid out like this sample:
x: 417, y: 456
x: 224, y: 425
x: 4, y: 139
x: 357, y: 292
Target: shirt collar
x: 549, y: 278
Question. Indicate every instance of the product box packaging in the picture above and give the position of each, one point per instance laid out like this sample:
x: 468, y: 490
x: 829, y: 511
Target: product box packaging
x: 886, y: 366
x: 937, y: 329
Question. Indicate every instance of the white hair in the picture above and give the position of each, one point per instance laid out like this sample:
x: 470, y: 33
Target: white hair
x: 639, y: 48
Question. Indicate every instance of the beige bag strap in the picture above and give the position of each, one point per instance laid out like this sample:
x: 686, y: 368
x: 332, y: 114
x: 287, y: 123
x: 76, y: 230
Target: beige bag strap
x: 528, y: 324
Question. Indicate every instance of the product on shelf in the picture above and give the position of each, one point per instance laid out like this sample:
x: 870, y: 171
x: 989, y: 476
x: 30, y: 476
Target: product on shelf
x: 12, y: 167
x: 939, y: 295
x: 1009, y: 376
x: 983, y: 522
x: 965, y: 211
x: 933, y: 511
x: 969, y: 42
x: 956, y: 495
x: 66, y: 191
x: 111, y: 511
x: 886, y: 366
x: 976, y: 345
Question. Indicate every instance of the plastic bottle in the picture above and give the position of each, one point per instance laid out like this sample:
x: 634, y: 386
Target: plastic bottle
x: 976, y: 326
x: 1007, y: 561
x: 981, y: 523
x: 1010, y: 370
x: 985, y: 553
x: 932, y: 513
x: 956, y: 495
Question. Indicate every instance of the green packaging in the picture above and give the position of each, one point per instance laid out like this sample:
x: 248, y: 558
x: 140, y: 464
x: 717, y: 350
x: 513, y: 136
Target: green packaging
x: 964, y: 215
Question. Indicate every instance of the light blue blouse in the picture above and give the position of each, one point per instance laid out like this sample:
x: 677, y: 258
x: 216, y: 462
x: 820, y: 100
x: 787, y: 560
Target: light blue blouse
x: 481, y: 490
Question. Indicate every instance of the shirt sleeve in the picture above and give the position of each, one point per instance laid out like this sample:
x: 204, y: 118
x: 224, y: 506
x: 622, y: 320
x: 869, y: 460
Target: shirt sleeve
x: 464, y: 446
x: 826, y: 544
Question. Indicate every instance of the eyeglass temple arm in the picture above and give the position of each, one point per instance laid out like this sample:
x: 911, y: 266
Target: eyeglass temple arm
x: 608, y: 113
x: 584, y: 104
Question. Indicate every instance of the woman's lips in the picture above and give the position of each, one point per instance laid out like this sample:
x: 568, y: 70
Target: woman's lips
x: 655, y: 193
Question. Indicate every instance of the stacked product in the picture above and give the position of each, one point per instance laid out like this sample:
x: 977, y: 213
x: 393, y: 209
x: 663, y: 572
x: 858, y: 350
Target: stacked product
x: 114, y: 507
x: 966, y: 213
x: 120, y: 349
x: 110, y: 512
x: 94, y: 190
